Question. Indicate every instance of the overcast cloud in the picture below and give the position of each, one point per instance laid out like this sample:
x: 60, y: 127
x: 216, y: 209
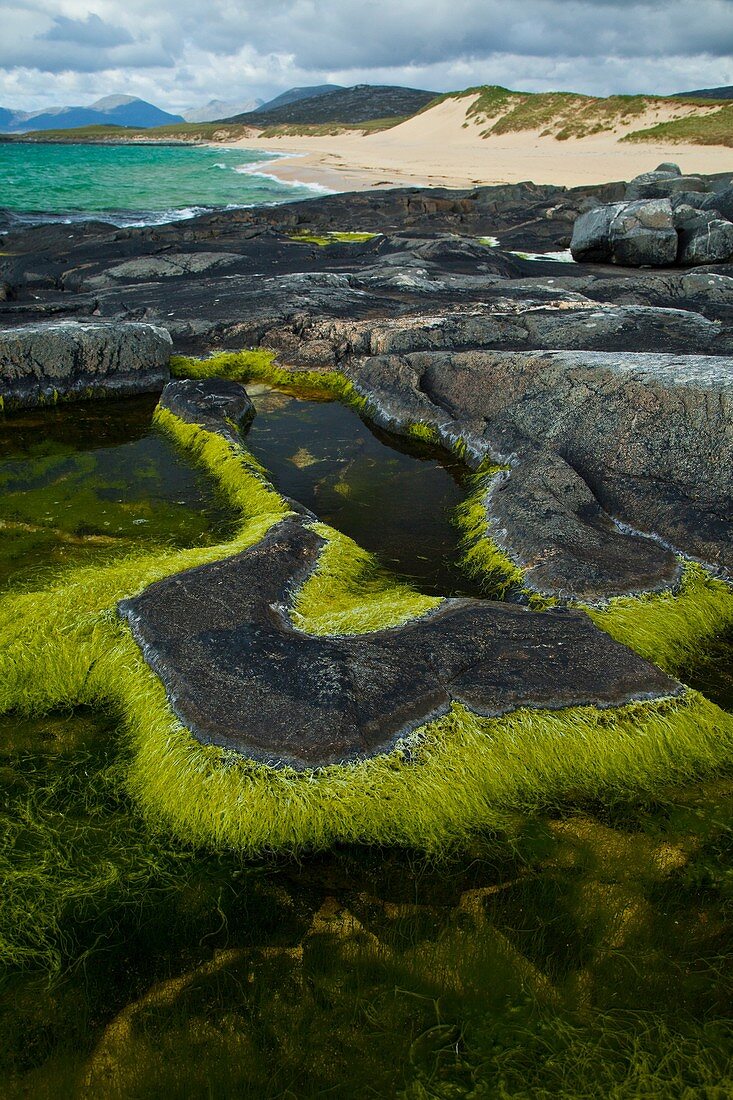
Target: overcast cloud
x: 181, y: 52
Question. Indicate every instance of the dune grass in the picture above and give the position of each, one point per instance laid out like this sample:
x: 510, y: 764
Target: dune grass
x: 708, y: 127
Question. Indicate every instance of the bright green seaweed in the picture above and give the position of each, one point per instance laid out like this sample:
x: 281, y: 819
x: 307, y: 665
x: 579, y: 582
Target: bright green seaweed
x: 447, y: 780
x: 587, y: 957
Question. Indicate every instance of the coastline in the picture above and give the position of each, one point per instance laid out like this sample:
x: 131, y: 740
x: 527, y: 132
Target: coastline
x: 346, y: 163
x: 443, y: 147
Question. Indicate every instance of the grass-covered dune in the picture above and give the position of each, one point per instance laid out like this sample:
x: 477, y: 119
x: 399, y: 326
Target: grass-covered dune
x: 495, y: 111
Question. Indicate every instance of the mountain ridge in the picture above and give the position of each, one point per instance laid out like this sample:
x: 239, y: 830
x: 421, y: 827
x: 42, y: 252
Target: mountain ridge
x: 360, y: 103
x: 111, y: 110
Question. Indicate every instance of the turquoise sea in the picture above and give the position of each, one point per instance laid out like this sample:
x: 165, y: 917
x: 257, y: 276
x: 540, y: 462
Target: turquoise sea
x: 134, y: 184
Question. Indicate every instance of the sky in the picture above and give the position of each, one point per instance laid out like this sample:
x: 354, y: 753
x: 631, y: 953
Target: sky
x: 182, y: 53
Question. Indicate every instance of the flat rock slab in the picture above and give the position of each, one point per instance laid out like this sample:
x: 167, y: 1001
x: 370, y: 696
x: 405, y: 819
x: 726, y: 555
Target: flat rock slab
x: 240, y: 676
x: 651, y: 435
x: 72, y: 360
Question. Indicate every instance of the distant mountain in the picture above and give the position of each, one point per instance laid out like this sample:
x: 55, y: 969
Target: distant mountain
x: 295, y: 95
x: 112, y: 110
x: 361, y: 103
x: 706, y: 93
x: 220, y: 108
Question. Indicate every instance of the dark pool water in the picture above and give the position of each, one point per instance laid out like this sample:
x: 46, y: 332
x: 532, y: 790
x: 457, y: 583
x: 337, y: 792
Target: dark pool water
x: 86, y: 482
x: 393, y: 498
x: 591, y: 956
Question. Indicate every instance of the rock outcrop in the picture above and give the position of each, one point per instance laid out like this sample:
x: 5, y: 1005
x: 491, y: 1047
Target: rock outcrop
x: 239, y: 675
x: 443, y: 299
x: 670, y: 219
x: 651, y: 436
x: 43, y: 363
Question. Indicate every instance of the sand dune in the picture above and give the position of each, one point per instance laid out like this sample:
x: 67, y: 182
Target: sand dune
x: 444, y: 147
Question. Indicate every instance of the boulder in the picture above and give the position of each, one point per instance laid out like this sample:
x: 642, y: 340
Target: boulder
x: 633, y: 234
x: 71, y: 360
x: 705, y: 240
x: 664, y: 181
x: 721, y: 202
x: 591, y: 239
x: 668, y: 168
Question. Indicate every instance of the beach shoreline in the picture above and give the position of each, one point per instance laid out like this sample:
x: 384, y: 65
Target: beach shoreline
x: 444, y: 147
x: 343, y: 166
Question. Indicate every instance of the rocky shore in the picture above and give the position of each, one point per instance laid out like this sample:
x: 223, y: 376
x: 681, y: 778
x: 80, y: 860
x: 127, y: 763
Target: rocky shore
x: 593, y: 401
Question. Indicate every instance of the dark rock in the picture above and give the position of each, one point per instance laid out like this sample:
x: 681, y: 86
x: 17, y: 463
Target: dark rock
x: 705, y: 240
x: 570, y: 322
x: 621, y: 421
x: 719, y: 201
x: 632, y: 234
x: 70, y: 360
x: 545, y: 517
x: 214, y: 403
x: 668, y: 168
x: 591, y: 239
x: 174, y: 266
x: 240, y: 676
x: 664, y: 181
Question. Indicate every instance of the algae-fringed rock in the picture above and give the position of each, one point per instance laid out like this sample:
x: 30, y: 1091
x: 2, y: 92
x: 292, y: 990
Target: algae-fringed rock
x: 239, y: 675
x: 214, y: 403
x: 650, y: 435
x: 543, y: 514
x: 70, y: 360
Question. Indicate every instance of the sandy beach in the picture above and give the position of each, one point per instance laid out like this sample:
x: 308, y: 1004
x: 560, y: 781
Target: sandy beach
x: 443, y: 147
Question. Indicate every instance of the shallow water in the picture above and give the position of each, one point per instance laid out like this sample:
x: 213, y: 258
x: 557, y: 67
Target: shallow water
x: 590, y: 956
x: 88, y: 482
x: 136, y: 184
x: 393, y: 498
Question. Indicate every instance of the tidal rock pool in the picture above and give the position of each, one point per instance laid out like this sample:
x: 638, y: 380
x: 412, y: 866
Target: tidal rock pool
x: 587, y: 956
x: 88, y: 483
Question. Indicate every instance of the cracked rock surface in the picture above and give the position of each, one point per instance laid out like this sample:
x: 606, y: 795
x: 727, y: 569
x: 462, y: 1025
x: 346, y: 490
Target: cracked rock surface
x: 651, y: 437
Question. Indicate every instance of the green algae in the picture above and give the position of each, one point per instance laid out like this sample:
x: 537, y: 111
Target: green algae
x: 68, y: 500
x: 330, y: 237
x: 673, y: 627
x: 454, y: 776
x: 586, y: 957
x: 589, y: 959
x: 665, y: 627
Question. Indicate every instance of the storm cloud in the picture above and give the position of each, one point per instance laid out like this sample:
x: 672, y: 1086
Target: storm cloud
x: 178, y: 52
